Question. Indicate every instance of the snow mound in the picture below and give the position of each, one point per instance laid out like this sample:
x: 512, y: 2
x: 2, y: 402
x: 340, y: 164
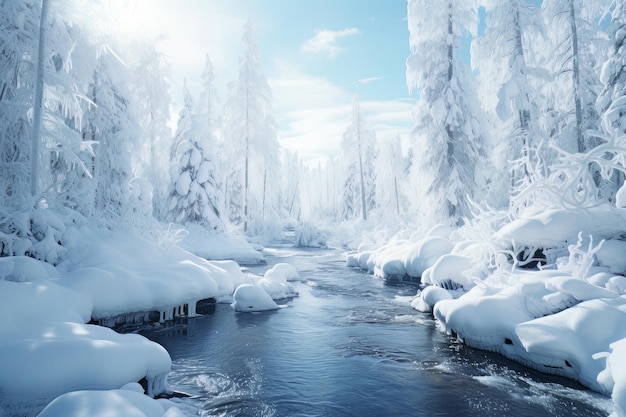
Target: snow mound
x: 448, y: 272
x: 430, y: 296
x: 615, y: 376
x: 423, y: 254
x: 388, y: 262
x: 127, y: 273
x: 220, y: 246
x: 352, y: 260
x: 275, y: 284
x: 248, y: 298
x: 47, y: 350
x: 556, y: 227
x: 288, y: 271
x: 568, y: 342
x: 113, y: 403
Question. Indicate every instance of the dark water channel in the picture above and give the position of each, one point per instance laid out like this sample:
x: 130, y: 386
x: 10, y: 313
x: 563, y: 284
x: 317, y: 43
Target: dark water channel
x: 350, y: 345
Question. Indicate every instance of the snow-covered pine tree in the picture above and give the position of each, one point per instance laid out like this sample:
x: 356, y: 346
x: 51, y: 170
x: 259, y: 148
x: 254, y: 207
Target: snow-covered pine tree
x: 613, y: 74
x: 250, y: 132
x: 208, y: 99
x: 195, y: 194
x: 358, y: 150
x: 448, y: 138
x: 576, y: 48
x: 149, y: 87
x: 116, y: 132
x: 53, y: 90
x: 508, y: 91
x: 17, y: 75
x: 611, y: 102
x: 291, y: 205
x: 389, y: 165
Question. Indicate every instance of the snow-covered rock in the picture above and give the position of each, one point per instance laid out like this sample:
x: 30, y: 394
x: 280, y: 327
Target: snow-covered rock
x: 112, y: 403
x: 448, y: 272
x: 567, y: 342
x: 288, y: 271
x: 424, y: 254
x: 248, y: 298
x: 430, y: 296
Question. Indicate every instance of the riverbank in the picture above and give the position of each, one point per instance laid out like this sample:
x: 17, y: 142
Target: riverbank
x: 547, y: 290
x: 48, y: 346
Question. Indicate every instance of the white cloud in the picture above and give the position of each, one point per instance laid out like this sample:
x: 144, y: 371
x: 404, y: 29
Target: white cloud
x: 325, y: 41
x: 369, y: 80
x: 313, y: 113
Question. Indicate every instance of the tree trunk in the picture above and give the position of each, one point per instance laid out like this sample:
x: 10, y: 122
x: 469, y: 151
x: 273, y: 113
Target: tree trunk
x: 450, y: 134
x: 358, y: 137
x: 245, y: 194
x: 245, y: 202
x: 264, y: 193
x: 580, y: 140
x: 395, y: 185
x: 38, y: 104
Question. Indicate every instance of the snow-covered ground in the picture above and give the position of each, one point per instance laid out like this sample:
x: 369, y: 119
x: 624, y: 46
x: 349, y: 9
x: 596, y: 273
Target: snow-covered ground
x: 48, y: 349
x: 567, y: 316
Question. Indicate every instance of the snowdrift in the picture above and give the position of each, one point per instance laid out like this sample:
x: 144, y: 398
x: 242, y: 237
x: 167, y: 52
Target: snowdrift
x: 46, y: 349
x: 566, y: 318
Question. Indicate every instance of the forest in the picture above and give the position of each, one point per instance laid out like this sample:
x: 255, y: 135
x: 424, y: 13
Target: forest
x: 516, y: 159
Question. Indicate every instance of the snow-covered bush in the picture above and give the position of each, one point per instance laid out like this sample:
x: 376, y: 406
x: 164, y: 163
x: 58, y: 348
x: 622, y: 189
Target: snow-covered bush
x: 309, y: 236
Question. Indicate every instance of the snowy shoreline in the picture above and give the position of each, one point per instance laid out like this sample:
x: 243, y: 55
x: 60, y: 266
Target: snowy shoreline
x: 565, y: 317
x: 48, y: 349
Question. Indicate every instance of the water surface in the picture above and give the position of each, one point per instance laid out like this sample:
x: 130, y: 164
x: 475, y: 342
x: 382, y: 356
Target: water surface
x: 351, y: 345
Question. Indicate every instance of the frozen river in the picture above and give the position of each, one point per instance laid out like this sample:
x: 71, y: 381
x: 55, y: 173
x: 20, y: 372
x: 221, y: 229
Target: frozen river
x: 350, y: 345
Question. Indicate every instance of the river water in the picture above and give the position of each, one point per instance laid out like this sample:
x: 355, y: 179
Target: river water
x: 350, y: 345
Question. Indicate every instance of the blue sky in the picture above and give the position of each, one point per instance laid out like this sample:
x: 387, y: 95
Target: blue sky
x: 315, y: 54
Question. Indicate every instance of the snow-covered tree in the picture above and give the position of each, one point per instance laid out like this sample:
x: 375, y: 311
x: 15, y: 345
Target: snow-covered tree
x: 358, y: 150
x: 113, y: 126
x: 509, y: 94
x: 389, y: 165
x: 195, y: 195
x: 613, y: 74
x: 18, y: 20
x: 576, y: 47
x: 208, y: 98
x: 291, y: 184
x: 611, y: 102
x: 448, y: 136
x: 149, y: 86
x: 252, y: 154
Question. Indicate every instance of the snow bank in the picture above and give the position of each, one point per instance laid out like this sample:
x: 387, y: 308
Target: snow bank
x: 113, y: 403
x: 567, y: 342
x: 47, y: 350
x: 556, y: 227
x: 220, y: 246
x: 615, y: 375
x: 567, y: 319
x: 248, y: 298
x: 126, y: 273
x: 424, y: 253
